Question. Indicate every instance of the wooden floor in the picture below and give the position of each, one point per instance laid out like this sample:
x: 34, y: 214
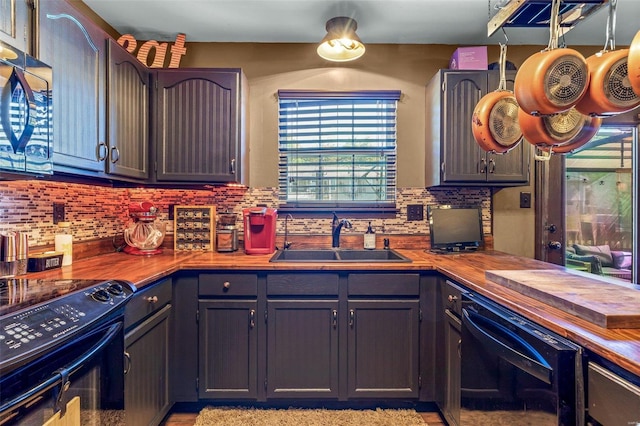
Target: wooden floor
x: 189, y: 419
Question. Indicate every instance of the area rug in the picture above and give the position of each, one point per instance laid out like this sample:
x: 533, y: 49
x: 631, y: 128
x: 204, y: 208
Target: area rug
x: 234, y: 416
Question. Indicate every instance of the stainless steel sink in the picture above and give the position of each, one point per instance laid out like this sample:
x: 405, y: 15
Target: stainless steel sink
x: 338, y: 255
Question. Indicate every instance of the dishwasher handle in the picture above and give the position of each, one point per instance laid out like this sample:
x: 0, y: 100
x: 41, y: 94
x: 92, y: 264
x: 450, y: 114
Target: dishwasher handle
x: 522, y: 356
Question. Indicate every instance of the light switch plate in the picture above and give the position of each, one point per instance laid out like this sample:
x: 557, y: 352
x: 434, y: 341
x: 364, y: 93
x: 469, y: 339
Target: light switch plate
x: 415, y: 212
x: 525, y: 200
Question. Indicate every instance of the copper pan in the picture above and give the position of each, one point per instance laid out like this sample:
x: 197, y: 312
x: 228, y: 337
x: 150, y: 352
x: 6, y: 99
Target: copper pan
x: 633, y: 63
x: 494, y: 123
x: 551, y: 81
x: 609, y: 91
x: 586, y: 133
x: 558, y: 130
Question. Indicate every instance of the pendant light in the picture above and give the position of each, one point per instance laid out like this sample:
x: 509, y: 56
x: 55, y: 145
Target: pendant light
x: 341, y: 43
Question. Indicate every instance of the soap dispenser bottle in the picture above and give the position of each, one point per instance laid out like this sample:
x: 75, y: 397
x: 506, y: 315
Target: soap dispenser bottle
x: 369, y: 238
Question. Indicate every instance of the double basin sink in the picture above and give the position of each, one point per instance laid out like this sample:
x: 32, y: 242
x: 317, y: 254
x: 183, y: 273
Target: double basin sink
x: 338, y: 255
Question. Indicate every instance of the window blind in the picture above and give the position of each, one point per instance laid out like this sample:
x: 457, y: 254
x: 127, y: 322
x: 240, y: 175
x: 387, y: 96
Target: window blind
x: 337, y: 149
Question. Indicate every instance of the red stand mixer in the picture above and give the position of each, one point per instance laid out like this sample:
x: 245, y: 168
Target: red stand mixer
x: 143, y: 236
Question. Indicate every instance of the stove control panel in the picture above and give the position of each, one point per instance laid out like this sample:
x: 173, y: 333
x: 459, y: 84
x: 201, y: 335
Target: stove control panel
x: 48, y: 323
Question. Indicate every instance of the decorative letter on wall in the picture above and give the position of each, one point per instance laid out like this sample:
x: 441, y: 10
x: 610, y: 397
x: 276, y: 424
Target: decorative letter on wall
x: 129, y: 42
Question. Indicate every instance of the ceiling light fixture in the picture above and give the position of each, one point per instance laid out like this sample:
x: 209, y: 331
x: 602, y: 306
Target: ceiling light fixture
x: 341, y: 43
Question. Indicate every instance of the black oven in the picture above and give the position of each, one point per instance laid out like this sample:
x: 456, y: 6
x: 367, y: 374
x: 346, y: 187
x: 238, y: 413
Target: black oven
x: 514, y: 372
x: 64, y: 357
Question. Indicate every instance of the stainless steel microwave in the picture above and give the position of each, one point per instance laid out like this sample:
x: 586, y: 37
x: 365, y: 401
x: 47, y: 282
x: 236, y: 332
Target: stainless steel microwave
x: 26, y: 144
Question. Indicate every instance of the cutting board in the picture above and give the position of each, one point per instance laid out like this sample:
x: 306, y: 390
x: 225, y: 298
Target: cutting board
x: 604, y: 304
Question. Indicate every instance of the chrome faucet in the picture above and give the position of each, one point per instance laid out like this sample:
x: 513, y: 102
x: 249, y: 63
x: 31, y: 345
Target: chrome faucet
x: 286, y: 244
x: 336, y: 227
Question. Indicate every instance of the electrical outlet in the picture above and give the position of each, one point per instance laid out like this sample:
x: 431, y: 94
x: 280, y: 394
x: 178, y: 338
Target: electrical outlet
x: 58, y: 212
x: 415, y: 212
x: 525, y: 200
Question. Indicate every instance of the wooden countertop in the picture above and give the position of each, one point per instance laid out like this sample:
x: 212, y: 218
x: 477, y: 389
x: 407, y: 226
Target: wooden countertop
x: 622, y: 346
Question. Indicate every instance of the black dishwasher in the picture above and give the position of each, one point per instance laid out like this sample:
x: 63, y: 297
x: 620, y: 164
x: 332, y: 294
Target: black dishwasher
x: 515, y: 372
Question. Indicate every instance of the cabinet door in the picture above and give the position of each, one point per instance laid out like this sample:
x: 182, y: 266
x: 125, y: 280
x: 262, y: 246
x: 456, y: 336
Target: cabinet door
x: 147, y: 398
x: 197, y: 125
x: 302, y: 349
x: 75, y: 48
x: 463, y: 160
x: 451, y: 406
x: 14, y: 24
x: 228, y: 349
x: 383, y: 349
x: 128, y: 112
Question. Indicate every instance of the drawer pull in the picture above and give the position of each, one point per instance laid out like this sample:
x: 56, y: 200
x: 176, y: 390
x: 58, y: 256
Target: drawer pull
x: 452, y: 298
x: 127, y: 364
x: 226, y: 285
x: 152, y: 299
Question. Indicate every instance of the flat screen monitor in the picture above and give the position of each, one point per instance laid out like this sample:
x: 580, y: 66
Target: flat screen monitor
x: 455, y: 229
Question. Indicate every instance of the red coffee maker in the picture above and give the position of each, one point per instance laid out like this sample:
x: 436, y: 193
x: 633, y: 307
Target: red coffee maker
x: 259, y: 230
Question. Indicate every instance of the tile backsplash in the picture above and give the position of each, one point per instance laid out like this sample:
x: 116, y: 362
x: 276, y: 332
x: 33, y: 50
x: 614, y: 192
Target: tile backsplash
x: 102, y: 211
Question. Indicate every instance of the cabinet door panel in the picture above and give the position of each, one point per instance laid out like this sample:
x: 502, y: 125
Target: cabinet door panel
x: 383, y: 349
x: 75, y: 49
x: 464, y: 161
x: 228, y: 349
x: 197, y: 125
x: 128, y: 136
x: 146, y: 389
x: 302, y: 349
x: 14, y: 24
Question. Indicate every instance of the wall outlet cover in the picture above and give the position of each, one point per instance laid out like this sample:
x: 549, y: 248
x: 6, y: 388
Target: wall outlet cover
x: 58, y: 212
x: 525, y: 200
x: 415, y: 212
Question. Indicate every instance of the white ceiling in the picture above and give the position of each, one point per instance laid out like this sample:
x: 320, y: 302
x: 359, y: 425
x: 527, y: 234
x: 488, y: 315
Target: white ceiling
x: 462, y: 22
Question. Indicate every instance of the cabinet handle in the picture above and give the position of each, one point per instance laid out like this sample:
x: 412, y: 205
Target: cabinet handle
x: 114, y: 158
x: 233, y: 166
x: 352, y: 317
x: 252, y: 318
x: 127, y: 364
x: 226, y: 285
x: 492, y: 166
x: 334, y: 318
x: 483, y: 166
x: 459, y: 351
x: 152, y: 299
x: 101, y: 151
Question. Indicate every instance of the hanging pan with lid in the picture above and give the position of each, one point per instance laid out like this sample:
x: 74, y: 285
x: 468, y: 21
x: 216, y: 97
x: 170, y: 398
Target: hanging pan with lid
x: 609, y: 92
x: 633, y: 64
x: 553, y: 80
x: 495, y: 117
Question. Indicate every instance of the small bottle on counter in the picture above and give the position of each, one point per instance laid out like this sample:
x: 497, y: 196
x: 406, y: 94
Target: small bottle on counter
x: 64, y: 242
x: 369, y: 238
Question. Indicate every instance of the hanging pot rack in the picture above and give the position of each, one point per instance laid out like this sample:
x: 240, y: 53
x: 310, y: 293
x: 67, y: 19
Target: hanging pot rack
x: 537, y: 13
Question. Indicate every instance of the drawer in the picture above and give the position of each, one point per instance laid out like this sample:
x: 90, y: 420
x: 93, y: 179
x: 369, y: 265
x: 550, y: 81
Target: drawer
x: 612, y: 400
x: 301, y: 284
x: 228, y: 285
x: 147, y: 301
x: 384, y: 285
x: 452, y: 297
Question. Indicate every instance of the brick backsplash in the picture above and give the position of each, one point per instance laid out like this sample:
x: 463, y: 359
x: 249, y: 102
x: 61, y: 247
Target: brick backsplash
x: 101, y: 211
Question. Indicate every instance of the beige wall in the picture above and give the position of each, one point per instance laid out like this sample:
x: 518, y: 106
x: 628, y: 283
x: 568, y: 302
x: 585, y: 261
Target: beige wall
x: 408, y: 68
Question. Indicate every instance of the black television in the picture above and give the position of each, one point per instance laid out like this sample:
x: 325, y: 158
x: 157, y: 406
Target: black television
x: 455, y: 229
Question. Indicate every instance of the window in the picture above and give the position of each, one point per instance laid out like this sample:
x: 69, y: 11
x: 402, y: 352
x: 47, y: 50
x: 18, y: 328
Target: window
x: 337, y: 150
